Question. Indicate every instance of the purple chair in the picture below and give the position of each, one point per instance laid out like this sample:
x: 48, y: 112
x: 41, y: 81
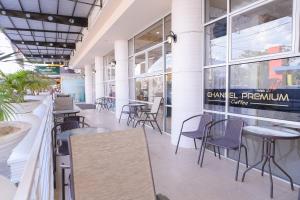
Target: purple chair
x: 231, y: 140
x: 199, y: 134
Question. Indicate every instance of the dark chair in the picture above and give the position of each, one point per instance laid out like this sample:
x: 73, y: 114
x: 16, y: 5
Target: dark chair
x: 231, y: 140
x: 58, y: 128
x: 150, y: 116
x: 127, y: 110
x: 199, y: 134
x: 79, y: 119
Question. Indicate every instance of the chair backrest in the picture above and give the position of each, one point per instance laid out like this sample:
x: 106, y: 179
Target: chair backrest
x: 68, y: 125
x: 233, y: 130
x: 156, y: 104
x: 205, y: 120
x: 63, y: 103
x: 111, y: 166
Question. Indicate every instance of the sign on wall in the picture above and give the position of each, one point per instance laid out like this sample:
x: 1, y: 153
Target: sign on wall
x: 285, y: 100
x: 48, y: 70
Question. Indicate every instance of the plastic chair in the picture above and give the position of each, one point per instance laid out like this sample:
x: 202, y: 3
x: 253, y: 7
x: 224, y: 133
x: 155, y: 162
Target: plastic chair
x: 232, y: 140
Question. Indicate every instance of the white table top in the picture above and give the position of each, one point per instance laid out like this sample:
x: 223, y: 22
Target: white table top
x: 57, y: 112
x: 291, y: 126
x: 271, y: 132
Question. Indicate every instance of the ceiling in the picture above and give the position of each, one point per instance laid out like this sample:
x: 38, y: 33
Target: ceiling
x: 46, y: 31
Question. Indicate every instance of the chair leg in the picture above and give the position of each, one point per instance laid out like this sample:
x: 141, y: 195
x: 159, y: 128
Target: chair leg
x: 158, y: 126
x: 178, y: 143
x: 238, y: 164
x: 202, y: 141
x: 246, y: 155
x: 63, y: 183
x: 219, y: 152
x: 215, y: 151
x: 152, y: 125
x: 120, y: 117
x: 195, y: 143
x: 203, y: 152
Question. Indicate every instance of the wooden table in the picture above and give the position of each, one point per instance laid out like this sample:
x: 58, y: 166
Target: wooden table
x: 269, y: 135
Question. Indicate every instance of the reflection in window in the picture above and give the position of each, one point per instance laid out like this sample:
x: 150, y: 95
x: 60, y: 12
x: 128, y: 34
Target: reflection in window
x: 140, y: 64
x: 132, y: 89
x: 263, y: 30
x: 169, y: 89
x: 148, y: 88
x: 168, y: 55
x: 168, y: 25
x: 236, y: 4
x: 215, y: 39
x: 168, y: 118
x: 215, y: 9
x: 131, y: 67
x: 155, y: 61
x: 271, y: 88
x: 110, y: 89
x: 151, y: 36
x: 214, y: 83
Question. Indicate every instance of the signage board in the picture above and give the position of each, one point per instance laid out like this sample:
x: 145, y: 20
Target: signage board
x: 284, y: 100
x: 48, y: 70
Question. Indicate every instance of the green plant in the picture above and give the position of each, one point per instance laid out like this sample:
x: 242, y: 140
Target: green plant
x: 6, y: 108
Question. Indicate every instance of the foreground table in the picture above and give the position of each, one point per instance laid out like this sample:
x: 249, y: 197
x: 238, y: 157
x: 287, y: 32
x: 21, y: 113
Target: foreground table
x: 63, y: 137
x: 269, y: 136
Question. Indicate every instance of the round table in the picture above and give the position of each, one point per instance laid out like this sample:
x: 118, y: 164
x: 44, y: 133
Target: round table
x: 133, y: 108
x: 62, y: 138
x: 269, y: 135
x: 65, y: 112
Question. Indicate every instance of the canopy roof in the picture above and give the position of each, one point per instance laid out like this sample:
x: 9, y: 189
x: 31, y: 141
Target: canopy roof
x: 45, y: 30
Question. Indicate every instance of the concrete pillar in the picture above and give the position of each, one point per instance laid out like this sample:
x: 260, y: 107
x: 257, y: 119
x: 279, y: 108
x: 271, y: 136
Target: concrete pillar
x: 88, y: 71
x: 122, y: 88
x: 99, y: 86
x: 187, y: 55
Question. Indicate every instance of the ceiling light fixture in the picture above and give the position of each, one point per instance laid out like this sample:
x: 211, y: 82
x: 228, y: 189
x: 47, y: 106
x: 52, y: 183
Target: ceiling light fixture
x: 27, y: 15
x: 172, y: 37
x: 3, y: 12
x: 51, y: 44
x: 71, y: 20
x: 37, y: 43
x: 64, y: 45
x: 50, y: 18
x: 113, y: 63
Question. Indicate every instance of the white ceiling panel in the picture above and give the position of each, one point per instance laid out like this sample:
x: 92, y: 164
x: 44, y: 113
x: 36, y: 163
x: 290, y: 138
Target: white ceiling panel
x: 27, y: 38
x: 11, y: 4
x: 62, y: 27
x: 30, y: 5
x: 49, y: 6
x: 34, y: 24
x: 82, y: 10
x: 5, y: 22
x: 15, y: 37
x: 75, y: 28
x: 50, y: 26
x: 19, y: 22
x: 66, y: 7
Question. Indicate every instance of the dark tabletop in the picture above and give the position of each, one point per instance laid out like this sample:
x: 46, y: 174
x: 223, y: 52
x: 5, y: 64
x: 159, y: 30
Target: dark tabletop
x: 59, y: 112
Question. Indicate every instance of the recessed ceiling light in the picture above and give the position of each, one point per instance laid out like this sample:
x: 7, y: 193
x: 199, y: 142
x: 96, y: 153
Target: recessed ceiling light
x: 3, y: 12
x: 157, y: 32
x: 23, y: 42
x: 37, y: 43
x: 27, y: 15
x: 51, y: 44
x: 42, y: 56
x: 50, y: 18
x: 52, y: 56
x: 71, y: 20
x: 64, y: 45
x: 62, y: 56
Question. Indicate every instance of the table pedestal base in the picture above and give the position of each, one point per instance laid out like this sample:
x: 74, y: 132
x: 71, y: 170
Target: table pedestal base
x: 268, y: 156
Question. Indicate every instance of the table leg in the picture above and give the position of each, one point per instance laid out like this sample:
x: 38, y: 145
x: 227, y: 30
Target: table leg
x: 278, y: 166
x: 255, y: 165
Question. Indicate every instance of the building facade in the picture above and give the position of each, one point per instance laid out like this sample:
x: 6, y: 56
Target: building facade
x: 232, y: 58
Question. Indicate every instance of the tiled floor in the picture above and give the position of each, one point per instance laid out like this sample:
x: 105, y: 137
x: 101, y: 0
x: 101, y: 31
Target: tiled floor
x: 180, y: 178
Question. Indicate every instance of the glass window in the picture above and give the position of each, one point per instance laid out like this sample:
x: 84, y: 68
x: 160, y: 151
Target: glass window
x: 215, y: 9
x: 168, y: 25
x: 155, y: 61
x: 236, y: 4
x: 215, y: 40
x: 266, y: 89
x: 215, y: 81
x: 140, y: 64
x: 131, y: 67
x: 151, y: 36
x: 110, y: 90
x: 132, y: 89
x: 130, y: 47
x: 148, y: 88
x: 168, y: 55
x: 169, y: 89
x: 263, y: 30
x: 168, y: 119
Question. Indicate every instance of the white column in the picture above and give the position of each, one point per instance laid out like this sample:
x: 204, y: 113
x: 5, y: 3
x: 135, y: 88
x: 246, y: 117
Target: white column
x: 187, y: 66
x: 99, y: 87
x: 122, y: 87
x: 88, y: 72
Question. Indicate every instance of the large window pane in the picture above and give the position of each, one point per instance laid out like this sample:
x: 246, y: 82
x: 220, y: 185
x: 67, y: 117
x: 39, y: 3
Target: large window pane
x: 215, y: 9
x: 168, y: 55
x: 130, y: 47
x: 155, y: 61
x: 266, y: 89
x: 110, y: 90
x: 215, y: 39
x: 214, y: 85
x: 235, y: 4
x: 132, y: 89
x: 151, y: 36
x: 263, y: 30
x: 131, y: 67
x: 140, y: 64
x: 169, y: 89
x: 148, y: 88
x: 168, y: 119
x: 168, y: 25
